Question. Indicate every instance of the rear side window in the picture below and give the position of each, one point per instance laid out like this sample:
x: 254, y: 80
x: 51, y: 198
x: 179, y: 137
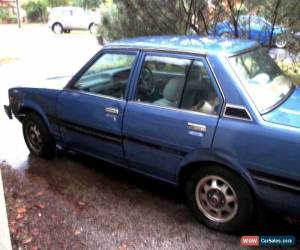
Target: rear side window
x: 178, y: 83
x: 162, y: 80
x: 199, y: 93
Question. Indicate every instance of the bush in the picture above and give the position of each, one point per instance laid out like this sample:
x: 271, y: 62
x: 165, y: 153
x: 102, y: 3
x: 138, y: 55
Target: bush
x: 35, y: 11
x: 4, y: 13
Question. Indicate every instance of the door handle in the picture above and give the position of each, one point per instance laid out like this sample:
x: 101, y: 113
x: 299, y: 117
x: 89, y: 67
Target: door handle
x: 196, y: 127
x: 112, y: 110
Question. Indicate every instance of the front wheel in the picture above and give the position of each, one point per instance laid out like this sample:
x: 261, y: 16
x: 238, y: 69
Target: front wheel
x: 37, y: 137
x: 219, y: 198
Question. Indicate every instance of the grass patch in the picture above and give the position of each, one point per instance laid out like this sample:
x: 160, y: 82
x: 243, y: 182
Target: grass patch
x: 6, y: 60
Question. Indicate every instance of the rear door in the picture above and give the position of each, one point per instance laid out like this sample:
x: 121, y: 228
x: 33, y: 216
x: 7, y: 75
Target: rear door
x: 90, y: 111
x: 164, y: 121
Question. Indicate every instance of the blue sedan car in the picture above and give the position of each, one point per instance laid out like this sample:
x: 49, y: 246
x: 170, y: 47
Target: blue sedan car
x: 215, y: 116
x: 253, y: 28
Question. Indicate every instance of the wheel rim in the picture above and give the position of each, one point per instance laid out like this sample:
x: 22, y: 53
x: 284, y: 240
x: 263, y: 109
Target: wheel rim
x: 57, y: 29
x: 216, y: 199
x: 280, y: 41
x: 226, y: 35
x: 34, y: 137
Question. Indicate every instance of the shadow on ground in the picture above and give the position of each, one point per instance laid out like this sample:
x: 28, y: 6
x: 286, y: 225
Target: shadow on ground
x: 77, y: 202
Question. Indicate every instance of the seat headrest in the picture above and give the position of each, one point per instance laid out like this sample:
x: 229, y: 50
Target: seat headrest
x: 173, y: 89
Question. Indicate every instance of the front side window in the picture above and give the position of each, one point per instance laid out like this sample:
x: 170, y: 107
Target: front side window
x: 108, y: 76
x: 262, y: 78
x: 177, y: 83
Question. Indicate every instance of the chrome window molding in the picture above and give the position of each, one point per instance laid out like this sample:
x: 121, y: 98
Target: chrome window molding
x: 175, y: 109
x: 228, y: 105
x: 216, y: 79
x: 97, y: 95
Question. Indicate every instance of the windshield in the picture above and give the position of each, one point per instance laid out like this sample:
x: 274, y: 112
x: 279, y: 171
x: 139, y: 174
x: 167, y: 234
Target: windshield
x: 263, y: 79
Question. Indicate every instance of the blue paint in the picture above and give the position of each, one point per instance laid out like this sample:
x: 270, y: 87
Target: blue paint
x: 193, y: 43
x: 287, y: 113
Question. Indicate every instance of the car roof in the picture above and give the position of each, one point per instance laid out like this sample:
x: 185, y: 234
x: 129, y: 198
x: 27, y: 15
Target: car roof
x: 188, y: 43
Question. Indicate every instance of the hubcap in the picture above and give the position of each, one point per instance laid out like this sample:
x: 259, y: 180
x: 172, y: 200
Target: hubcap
x: 280, y: 41
x: 216, y: 199
x: 57, y: 29
x: 34, y: 138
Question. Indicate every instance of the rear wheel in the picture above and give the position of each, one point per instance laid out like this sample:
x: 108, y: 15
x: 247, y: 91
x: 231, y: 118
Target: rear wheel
x: 37, y: 137
x: 219, y: 198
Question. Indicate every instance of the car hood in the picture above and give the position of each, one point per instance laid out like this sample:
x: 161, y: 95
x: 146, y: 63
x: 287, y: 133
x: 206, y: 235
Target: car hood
x: 288, y: 113
x: 57, y: 82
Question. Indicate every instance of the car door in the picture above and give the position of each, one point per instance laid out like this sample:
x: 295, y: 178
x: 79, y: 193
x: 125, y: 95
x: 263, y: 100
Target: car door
x: 90, y: 110
x: 259, y: 30
x: 161, y: 126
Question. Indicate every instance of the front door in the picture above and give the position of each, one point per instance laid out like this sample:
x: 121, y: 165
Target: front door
x: 90, y: 110
x: 173, y: 112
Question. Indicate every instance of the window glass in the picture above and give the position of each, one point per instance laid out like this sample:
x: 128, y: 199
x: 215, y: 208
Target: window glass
x: 162, y: 80
x: 107, y: 76
x: 199, y: 93
x: 266, y: 84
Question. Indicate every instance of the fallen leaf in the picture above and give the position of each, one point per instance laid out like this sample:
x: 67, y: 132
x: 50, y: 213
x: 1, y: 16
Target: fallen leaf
x: 28, y: 240
x: 39, y: 205
x: 35, y: 232
x: 77, y: 232
x: 34, y: 248
x: 81, y: 203
x: 20, y: 216
x: 21, y: 210
x: 39, y: 193
x: 123, y: 247
x: 40, y: 214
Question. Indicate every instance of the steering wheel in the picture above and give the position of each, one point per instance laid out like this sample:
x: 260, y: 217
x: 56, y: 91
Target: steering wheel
x: 147, y: 81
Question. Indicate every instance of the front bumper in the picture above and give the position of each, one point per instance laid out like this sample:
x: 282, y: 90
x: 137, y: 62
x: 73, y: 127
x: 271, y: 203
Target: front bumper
x: 8, y: 111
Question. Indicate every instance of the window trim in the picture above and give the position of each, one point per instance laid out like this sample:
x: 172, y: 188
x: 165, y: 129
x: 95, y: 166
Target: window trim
x: 97, y: 56
x: 199, y: 57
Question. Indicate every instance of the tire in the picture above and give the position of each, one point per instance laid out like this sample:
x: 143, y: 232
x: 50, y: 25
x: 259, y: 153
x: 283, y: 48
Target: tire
x: 57, y: 28
x: 225, y: 211
x: 281, y: 41
x: 93, y: 28
x: 37, y: 137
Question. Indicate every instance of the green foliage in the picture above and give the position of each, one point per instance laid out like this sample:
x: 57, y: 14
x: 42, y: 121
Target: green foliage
x: 36, y: 11
x: 128, y: 18
x: 87, y: 4
x: 3, y: 13
x: 57, y: 3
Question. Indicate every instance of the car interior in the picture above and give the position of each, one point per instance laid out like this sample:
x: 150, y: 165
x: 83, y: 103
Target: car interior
x: 190, y: 90
x: 160, y: 83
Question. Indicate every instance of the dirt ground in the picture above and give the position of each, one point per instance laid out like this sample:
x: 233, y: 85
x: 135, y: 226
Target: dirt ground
x: 75, y: 202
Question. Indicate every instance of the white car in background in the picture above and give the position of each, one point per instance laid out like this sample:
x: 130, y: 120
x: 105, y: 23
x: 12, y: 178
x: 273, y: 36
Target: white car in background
x: 65, y: 19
